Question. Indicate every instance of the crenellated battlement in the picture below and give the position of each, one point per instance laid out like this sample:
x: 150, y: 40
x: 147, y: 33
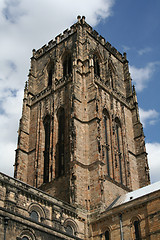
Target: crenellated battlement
x: 68, y: 32
x: 107, y: 45
x: 52, y: 43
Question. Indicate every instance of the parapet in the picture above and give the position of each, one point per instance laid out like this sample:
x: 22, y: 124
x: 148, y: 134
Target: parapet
x: 66, y: 33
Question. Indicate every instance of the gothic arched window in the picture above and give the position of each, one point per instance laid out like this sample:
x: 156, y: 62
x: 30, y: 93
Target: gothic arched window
x: 119, y: 144
x: 96, y: 66
x: 67, y: 65
x: 106, y: 235
x: 47, y: 149
x: 137, y: 230
x: 61, y: 135
x: 107, y: 137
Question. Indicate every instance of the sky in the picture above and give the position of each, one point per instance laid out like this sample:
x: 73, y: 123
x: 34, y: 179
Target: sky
x: 131, y: 26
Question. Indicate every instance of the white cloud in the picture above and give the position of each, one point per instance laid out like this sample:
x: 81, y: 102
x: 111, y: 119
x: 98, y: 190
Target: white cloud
x: 144, y: 51
x: 148, y: 117
x: 141, y: 76
x: 125, y: 48
x: 25, y: 25
x: 153, y: 150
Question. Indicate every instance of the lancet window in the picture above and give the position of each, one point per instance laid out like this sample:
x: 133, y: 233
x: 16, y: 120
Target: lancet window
x: 61, y: 135
x: 106, y: 121
x: 107, y: 235
x: 50, y: 73
x: 67, y: 65
x: 47, y: 149
x: 119, y: 146
x: 96, y: 66
x: 137, y: 229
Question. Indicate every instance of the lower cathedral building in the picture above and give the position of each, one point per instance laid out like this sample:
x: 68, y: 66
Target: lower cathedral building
x: 81, y: 168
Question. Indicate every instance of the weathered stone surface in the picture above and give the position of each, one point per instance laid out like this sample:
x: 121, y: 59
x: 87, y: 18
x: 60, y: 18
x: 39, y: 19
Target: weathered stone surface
x: 80, y: 141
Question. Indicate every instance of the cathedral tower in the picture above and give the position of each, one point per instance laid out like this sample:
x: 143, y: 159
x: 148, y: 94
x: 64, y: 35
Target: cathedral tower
x: 80, y: 136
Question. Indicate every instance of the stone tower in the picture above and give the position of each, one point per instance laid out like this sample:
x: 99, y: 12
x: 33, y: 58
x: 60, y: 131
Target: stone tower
x: 80, y: 136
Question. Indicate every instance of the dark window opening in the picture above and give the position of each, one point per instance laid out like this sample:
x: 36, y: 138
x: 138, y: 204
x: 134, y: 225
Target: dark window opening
x: 106, y: 144
x: 118, y: 131
x: 61, y: 130
x: 25, y: 238
x: 34, y: 216
x: 69, y: 230
x: 111, y: 75
x: 47, y: 149
x: 137, y: 230
x: 96, y: 66
x: 50, y: 73
x: 67, y: 66
x: 107, y: 235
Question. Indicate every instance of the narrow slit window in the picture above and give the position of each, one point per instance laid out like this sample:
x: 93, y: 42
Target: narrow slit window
x: 106, y: 143
x: 61, y: 130
x: 118, y: 134
x: 50, y: 73
x: 137, y: 230
x: 107, y: 235
x: 47, y: 149
x: 96, y: 66
x: 67, y: 66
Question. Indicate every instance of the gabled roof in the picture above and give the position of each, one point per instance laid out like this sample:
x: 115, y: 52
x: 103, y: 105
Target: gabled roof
x: 131, y: 196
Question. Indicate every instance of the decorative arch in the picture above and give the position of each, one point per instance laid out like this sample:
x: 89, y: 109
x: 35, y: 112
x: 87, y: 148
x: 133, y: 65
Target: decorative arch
x: 36, y: 208
x: 47, y: 130
x: 107, y: 138
x: 27, y: 234
x: 71, y: 226
x: 106, y: 233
